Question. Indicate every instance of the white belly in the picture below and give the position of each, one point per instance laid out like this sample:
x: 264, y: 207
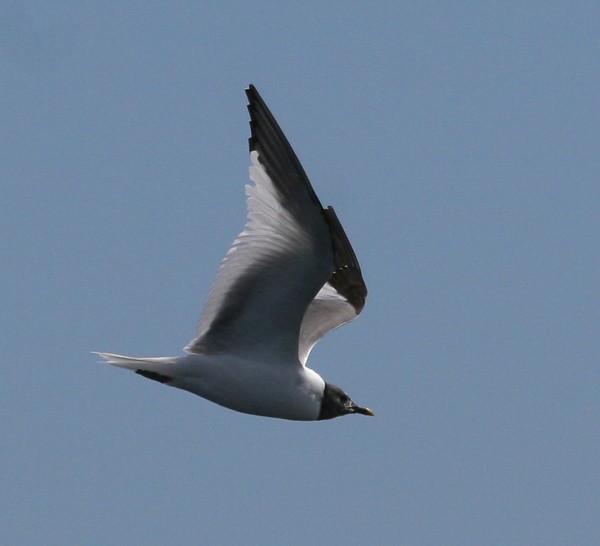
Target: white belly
x: 273, y: 390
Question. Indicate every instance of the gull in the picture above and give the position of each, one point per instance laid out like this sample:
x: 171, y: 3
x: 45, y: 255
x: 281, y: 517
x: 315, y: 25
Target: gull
x: 290, y: 277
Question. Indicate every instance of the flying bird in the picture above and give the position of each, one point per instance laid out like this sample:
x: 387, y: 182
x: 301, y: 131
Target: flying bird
x: 290, y: 277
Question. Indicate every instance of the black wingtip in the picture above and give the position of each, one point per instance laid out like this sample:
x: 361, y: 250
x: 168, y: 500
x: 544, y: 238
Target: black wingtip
x: 259, y: 111
x: 253, y: 95
x: 254, y: 99
x: 347, y: 277
x: 275, y: 152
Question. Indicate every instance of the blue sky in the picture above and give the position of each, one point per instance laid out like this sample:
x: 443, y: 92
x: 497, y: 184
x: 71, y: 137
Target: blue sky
x: 459, y: 144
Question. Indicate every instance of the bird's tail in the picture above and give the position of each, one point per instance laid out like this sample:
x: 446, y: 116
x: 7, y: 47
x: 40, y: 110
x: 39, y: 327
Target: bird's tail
x: 156, y: 368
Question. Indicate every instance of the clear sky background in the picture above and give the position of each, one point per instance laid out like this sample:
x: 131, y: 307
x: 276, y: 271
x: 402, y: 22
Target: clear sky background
x: 460, y: 145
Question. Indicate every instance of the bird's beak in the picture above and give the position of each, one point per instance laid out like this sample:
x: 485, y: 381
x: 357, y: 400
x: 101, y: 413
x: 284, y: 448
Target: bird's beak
x: 363, y: 411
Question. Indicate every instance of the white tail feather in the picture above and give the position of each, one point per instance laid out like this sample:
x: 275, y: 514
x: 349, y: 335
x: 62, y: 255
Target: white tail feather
x: 152, y: 364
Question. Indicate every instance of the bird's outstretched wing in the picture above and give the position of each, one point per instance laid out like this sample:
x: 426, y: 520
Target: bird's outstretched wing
x: 291, y: 275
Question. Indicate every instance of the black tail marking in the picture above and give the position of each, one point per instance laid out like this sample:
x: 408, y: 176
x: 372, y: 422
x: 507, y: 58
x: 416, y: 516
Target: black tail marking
x: 154, y: 376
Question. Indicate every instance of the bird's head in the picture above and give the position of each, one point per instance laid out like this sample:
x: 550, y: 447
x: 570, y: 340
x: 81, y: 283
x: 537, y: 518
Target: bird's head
x: 336, y: 403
